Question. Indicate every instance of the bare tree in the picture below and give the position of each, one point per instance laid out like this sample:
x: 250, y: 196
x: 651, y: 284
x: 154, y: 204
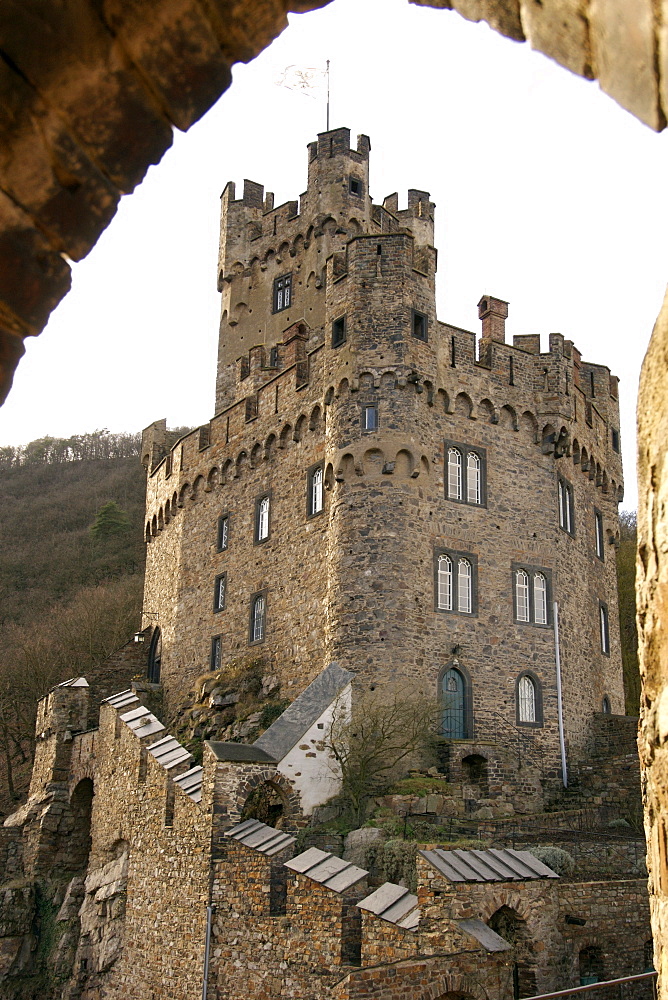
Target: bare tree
x: 371, y: 744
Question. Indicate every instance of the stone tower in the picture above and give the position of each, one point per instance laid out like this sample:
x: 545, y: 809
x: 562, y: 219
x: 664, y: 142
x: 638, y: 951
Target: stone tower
x: 382, y: 489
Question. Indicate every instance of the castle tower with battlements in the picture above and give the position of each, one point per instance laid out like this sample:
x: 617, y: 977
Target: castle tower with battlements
x: 383, y: 490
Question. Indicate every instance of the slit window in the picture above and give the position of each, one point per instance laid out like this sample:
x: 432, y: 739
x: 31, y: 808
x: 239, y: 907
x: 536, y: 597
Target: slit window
x: 604, y: 627
x: 565, y: 502
x: 215, y: 661
x: 219, y: 588
x: 419, y: 326
x: 339, y: 331
x: 456, y: 582
x: 282, y: 292
x: 598, y: 534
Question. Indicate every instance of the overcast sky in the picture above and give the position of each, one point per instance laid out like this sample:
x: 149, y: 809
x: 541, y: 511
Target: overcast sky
x: 548, y: 195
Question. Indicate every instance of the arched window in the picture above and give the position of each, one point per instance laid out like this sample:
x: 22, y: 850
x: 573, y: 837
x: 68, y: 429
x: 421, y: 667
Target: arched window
x: 258, y: 618
x: 528, y: 700
x: 154, y: 657
x: 473, y: 478
x: 315, y: 492
x: 526, y: 694
x: 464, y: 594
x: 454, y: 474
x: 444, y: 583
x: 606, y: 708
x: 522, y: 595
x: 262, y: 519
x: 540, y: 598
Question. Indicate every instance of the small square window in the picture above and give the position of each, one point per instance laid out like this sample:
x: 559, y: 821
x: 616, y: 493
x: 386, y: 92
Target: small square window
x: 356, y: 186
x: 219, y: 587
x: 223, y: 532
x: 419, y: 326
x: 282, y: 292
x: 370, y: 417
x: 339, y: 331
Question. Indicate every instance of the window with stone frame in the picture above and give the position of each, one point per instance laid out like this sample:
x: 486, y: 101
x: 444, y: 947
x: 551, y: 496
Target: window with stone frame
x: 566, y: 505
x: 604, y: 628
x: 465, y: 474
x: 532, y: 594
x: 282, y: 292
x: 599, y: 535
x: 262, y: 511
x: 370, y: 417
x: 223, y: 532
x: 528, y: 700
x: 219, y: 588
x: 456, y: 582
x: 258, y: 617
x: 315, y: 490
x: 419, y: 325
x: 216, y: 657
x: 339, y: 331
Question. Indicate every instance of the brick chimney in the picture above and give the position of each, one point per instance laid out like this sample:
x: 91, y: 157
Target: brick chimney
x: 493, y: 313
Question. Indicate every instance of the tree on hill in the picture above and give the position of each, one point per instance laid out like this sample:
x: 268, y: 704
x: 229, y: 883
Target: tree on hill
x: 111, y: 520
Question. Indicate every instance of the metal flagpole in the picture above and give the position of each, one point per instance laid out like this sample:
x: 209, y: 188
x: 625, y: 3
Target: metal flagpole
x: 328, y: 95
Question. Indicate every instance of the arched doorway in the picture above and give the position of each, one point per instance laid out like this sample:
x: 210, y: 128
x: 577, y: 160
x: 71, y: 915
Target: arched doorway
x: 455, y: 722
x: 267, y: 804
x: 78, y: 844
x: 510, y: 926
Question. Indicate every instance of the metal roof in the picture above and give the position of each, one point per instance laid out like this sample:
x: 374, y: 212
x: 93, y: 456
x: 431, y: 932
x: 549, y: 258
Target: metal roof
x: 394, y: 903
x: 122, y: 699
x: 259, y: 836
x: 242, y: 752
x: 327, y: 869
x: 191, y: 783
x: 489, y: 939
x: 304, y: 711
x: 487, y: 866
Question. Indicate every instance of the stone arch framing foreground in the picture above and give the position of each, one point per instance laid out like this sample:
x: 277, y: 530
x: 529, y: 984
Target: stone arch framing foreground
x: 93, y: 90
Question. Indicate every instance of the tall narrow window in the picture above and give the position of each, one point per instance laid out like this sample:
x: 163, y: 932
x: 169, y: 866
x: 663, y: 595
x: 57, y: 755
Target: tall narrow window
x: 262, y: 519
x: 219, y: 592
x: 444, y: 583
x: 526, y: 692
x: 315, y: 494
x: 223, y: 532
x: 370, y: 418
x: 598, y: 533
x: 216, y: 653
x: 473, y: 484
x: 539, y: 599
x: 258, y: 618
x: 565, y: 501
x: 605, y: 633
x: 606, y: 706
x: 339, y: 331
x: 464, y: 581
x: 454, y: 474
x: 282, y: 292
x: 522, y: 595
x: 154, y: 657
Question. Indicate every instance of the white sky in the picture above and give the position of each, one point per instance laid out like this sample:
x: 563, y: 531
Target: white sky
x: 548, y: 195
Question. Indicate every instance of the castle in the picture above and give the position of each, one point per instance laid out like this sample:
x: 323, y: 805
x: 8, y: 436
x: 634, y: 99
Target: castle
x: 379, y: 504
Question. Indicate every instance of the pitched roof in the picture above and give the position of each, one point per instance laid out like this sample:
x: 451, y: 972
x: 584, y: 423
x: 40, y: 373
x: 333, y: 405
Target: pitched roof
x: 394, y: 903
x: 304, y: 711
x: 242, y: 752
x: 259, y: 836
x: 327, y: 869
